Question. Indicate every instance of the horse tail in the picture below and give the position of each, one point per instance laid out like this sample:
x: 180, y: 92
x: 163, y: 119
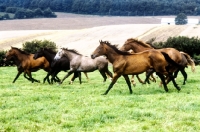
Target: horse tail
x: 168, y: 59
x: 189, y: 61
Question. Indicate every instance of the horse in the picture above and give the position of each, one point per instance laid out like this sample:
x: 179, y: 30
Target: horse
x: 56, y: 66
x: 18, y: 64
x: 81, y: 63
x: 26, y: 63
x: 181, y: 58
x: 125, y: 63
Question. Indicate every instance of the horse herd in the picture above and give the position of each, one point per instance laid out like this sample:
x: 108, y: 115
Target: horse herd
x: 166, y: 63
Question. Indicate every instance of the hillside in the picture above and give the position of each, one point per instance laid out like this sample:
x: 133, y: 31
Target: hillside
x: 84, y: 32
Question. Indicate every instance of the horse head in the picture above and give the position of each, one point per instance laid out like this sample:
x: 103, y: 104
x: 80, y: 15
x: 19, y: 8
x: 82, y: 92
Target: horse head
x: 59, y: 54
x: 9, y: 54
x: 99, y: 50
x: 38, y: 54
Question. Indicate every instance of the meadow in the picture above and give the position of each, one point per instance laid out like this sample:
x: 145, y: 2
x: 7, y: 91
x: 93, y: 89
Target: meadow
x: 26, y: 106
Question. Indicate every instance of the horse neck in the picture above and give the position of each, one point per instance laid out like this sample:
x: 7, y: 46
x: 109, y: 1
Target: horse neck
x: 20, y: 57
x: 139, y: 48
x: 71, y: 55
x: 112, y: 55
x: 49, y: 56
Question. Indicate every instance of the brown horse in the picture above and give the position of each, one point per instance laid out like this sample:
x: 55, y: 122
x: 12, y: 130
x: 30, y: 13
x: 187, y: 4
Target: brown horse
x: 125, y: 63
x: 27, y: 63
x: 181, y: 58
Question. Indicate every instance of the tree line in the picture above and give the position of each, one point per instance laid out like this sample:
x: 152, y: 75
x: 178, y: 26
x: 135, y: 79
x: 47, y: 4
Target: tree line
x: 110, y: 7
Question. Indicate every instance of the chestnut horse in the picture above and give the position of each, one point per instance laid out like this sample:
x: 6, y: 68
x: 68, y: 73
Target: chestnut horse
x: 82, y: 63
x: 26, y: 62
x: 125, y: 63
x: 181, y: 58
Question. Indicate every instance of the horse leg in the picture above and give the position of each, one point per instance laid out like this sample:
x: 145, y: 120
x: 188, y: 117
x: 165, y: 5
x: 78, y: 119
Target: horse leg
x: 128, y: 83
x: 47, y: 77
x: 76, y: 74
x: 19, y: 73
x: 150, y: 71
x: 163, y: 81
x: 53, y: 75
x: 66, y: 76
x: 115, y: 77
x: 173, y: 80
x: 30, y: 76
x: 132, y: 81
x: 86, y: 75
x: 184, y: 75
x: 79, y: 75
x: 140, y: 80
x: 103, y: 75
x: 109, y: 73
x: 153, y: 79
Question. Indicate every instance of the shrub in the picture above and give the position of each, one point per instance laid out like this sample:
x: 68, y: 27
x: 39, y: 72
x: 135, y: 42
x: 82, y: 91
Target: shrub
x: 20, y: 14
x: 2, y: 62
x: 11, y: 9
x: 35, y: 45
x: 38, y: 12
x: 48, y: 13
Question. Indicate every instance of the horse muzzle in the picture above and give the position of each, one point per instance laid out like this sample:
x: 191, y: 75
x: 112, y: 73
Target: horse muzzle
x: 93, y: 56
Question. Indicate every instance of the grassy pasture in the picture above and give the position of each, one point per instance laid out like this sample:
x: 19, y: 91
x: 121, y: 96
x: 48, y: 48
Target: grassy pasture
x: 26, y: 106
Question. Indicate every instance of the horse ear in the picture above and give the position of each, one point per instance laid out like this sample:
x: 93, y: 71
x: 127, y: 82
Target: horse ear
x: 100, y: 41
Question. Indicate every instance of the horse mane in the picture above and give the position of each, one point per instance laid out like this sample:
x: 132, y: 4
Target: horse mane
x: 147, y: 45
x: 21, y: 51
x: 114, y: 47
x: 72, y: 50
x: 50, y: 50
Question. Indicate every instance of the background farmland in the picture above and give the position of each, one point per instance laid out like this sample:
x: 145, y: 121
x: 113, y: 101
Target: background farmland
x: 83, y: 32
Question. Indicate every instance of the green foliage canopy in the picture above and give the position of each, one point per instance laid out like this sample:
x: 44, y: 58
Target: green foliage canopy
x: 181, y: 19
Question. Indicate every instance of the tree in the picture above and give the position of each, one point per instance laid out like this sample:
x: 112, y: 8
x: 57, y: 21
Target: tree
x: 20, y: 14
x: 181, y: 19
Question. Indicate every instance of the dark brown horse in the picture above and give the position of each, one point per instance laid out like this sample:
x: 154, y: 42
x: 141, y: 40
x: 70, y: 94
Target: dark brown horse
x: 27, y: 63
x: 125, y: 63
x: 181, y: 58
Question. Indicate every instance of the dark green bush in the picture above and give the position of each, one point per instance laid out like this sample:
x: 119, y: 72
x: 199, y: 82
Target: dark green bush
x: 2, y: 62
x: 11, y: 9
x: 35, y: 45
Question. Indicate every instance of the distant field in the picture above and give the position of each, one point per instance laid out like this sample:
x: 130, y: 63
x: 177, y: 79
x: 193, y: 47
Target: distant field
x: 83, y: 32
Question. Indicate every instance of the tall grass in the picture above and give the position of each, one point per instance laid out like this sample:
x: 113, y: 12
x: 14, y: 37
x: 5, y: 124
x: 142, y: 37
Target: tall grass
x: 26, y: 106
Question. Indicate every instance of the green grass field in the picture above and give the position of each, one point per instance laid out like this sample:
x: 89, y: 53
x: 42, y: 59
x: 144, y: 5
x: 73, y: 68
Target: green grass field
x: 26, y: 106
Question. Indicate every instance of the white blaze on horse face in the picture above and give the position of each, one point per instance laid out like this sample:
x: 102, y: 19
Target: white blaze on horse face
x: 58, y: 55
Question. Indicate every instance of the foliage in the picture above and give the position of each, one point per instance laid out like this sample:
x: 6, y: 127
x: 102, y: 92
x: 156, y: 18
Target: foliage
x: 2, y: 62
x: 48, y: 13
x: 35, y: 45
x: 36, y: 13
x: 27, y: 106
x: 20, y: 14
x: 181, y: 19
x: 11, y: 9
x: 111, y: 7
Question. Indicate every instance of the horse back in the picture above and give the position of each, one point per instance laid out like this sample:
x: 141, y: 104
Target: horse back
x: 41, y: 62
x: 174, y: 54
